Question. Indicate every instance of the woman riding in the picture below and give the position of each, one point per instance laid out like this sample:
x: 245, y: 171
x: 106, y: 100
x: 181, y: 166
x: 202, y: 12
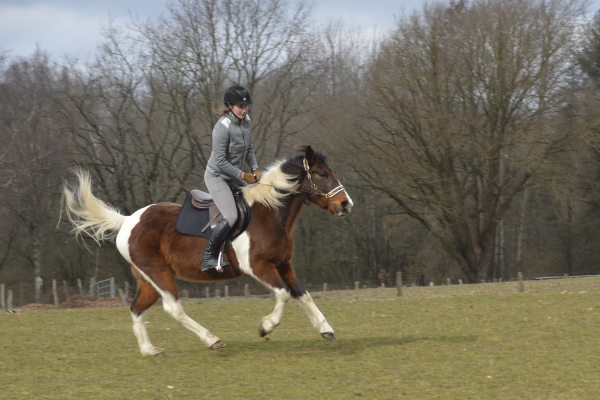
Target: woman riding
x: 231, y: 144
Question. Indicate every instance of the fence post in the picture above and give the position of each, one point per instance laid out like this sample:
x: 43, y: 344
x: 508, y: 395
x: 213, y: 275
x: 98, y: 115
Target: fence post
x: 185, y: 294
x: 126, y: 288
x: 112, y: 287
x: 324, y: 287
x: 207, y: 290
x: 226, y: 291
x: 80, y: 286
x: 399, y: 283
x: 520, y: 281
x: 92, y: 286
x: 448, y: 281
x: 66, y: 289
x: 356, y: 285
x: 246, y: 290
x: 2, y: 297
x: 22, y: 296
x: 9, y: 300
x: 217, y: 293
x: 55, y: 292
x: 460, y: 281
x: 123, y: 298
x: 431, y: 283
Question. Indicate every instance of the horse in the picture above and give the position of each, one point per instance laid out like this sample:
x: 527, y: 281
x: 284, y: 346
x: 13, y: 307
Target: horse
x: 158, y: 254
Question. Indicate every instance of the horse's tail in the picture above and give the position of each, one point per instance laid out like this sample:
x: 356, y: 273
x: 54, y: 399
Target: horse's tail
x: 89, y: 214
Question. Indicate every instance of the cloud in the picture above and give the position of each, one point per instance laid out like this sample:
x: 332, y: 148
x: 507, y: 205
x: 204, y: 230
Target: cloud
x: 60, y: 31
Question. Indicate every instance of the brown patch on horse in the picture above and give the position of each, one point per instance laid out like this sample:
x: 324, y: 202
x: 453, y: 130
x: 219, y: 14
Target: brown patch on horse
x: 145, y: 295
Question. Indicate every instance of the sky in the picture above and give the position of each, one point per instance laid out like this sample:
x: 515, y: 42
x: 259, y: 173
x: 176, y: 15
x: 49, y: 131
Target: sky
x: 72, y: 27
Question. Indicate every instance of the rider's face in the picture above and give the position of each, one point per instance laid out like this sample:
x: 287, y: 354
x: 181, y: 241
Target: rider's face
x: 240, y: 110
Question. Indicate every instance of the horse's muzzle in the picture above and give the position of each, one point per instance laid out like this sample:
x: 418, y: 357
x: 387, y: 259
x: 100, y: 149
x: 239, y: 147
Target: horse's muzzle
x: 346, y: 208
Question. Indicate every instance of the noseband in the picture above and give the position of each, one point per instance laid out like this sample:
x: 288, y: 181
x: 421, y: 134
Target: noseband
x: 314, y: 187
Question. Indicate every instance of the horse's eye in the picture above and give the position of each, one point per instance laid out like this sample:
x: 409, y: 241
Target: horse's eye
x: 322, y: 174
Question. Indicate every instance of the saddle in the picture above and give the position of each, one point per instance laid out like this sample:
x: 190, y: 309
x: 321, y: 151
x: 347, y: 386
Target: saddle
x: 199, y: 213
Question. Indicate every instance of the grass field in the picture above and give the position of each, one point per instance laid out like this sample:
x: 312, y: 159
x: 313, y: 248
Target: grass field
x: 449, y: 342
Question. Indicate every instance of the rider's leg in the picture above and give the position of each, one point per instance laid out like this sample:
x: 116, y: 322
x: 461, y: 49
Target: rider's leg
x: 223, y: 197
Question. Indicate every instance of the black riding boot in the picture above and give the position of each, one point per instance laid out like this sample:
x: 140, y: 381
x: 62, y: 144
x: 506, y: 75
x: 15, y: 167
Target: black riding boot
x: 210, y: 258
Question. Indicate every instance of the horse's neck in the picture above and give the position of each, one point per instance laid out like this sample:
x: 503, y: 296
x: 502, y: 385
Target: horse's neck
x: 285, y: 217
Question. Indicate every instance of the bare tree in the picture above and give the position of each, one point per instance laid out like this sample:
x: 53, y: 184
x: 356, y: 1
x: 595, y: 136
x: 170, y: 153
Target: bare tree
x: 463, y: 108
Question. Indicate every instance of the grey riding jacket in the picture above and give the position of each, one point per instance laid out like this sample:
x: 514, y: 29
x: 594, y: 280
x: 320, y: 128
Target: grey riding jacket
x: 231, y: 144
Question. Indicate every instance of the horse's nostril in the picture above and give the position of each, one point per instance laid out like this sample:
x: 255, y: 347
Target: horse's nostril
x: 346, y: 205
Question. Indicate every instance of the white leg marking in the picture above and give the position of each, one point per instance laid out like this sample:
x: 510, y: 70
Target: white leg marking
x: 269, y: 322
x: 175, y: 309
x: 316, y: 317
x: 141, y: 333
x: 122, y: 239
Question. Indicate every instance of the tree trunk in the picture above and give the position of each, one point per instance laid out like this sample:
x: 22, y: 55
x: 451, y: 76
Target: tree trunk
x: 37, y: 266
x: 521, y: 231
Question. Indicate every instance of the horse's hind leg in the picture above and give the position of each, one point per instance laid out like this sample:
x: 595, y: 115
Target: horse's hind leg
x: 306, y: 302
x: 157, y: 272
x: 145, y: 297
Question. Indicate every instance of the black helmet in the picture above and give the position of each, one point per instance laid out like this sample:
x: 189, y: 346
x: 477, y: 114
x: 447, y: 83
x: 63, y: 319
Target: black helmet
x: 237, y: 95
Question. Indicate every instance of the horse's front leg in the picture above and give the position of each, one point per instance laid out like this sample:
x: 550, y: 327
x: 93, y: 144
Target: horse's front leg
x: 305, y: 301
x: 270, y: 322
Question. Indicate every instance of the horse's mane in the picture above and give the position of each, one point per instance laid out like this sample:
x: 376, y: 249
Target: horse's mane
x: 274, y: 186
x: 281, y: 179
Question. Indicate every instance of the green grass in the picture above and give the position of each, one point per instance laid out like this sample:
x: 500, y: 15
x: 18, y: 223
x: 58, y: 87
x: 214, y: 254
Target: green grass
x: 449, y: 342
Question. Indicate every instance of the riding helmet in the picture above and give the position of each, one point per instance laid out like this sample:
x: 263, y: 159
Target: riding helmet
x: 237, y: 95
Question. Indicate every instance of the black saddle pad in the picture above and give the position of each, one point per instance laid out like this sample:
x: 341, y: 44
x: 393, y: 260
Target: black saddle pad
x: 191, y: 221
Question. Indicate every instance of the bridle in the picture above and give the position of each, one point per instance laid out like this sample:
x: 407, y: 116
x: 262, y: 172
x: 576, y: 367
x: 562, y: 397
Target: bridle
x: 314, y: 187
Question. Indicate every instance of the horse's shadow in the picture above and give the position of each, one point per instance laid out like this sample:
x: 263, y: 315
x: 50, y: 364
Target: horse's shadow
x: 340, y: 346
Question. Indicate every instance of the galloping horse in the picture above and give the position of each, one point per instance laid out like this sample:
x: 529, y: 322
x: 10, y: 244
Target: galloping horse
x: 158, y: 253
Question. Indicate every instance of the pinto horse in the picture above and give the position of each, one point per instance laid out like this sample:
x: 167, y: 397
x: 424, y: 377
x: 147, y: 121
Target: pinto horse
x: 158, y: 253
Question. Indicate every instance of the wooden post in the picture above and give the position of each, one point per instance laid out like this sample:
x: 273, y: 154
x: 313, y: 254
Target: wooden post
x: 382, y: 284
x: 80, y: 286
x: 460, y: 281
x: 92, y: 286
x: 520, y: 282
x: 356, y: 285
x: 2, y: 297
x: 207, y: 290
x: 324, y: 287
x: 226, y: 291
x: 448, y: 281
x: 66, y: 286
x: 9, y: 300
x: 126, y: 285
x: 246, y: 290
x: 22, y: 295
x: 185, y: 294
x: 217, y: 293
x: 123, y: 298
x: 55, y: 292
x: 112, y: 287
x: 430, y: 283
x: 399, y: 283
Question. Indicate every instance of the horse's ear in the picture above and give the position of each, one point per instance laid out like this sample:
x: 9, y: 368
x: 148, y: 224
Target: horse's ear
x: 310, y: 154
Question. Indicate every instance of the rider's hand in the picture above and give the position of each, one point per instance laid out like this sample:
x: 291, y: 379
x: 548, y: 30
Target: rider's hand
x: 257, y: 174
x: 248, y: 178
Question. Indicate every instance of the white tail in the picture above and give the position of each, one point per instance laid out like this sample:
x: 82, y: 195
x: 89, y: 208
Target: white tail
x: 89, y: 214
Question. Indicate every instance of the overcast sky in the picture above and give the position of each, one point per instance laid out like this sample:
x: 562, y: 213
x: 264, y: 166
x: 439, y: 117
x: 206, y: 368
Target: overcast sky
x: 71, y: 27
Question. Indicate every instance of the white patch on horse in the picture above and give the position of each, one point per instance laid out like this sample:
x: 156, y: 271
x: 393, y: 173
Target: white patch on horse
x: 175, y: 309
x: 282, y: 296
x: 316, y: 316
x: 241, y: 246
x: 347, y: 195
x: 122, y: 240
x: 141, y: 334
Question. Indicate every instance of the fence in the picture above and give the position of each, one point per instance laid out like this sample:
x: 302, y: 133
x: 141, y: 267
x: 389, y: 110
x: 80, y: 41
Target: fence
x: 21, y: 294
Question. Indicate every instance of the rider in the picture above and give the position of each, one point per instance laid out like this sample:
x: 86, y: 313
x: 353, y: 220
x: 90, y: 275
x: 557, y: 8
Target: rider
x: 231, y: 144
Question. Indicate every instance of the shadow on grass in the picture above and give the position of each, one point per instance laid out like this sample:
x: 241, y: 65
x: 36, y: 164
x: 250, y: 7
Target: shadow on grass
x: 340, y: 346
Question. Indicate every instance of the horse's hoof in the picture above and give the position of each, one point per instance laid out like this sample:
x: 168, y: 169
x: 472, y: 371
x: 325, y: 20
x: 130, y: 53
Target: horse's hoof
x: 217, y: 345
x: 155, y: 352
x: 262, y: 332
x: 328, y: 335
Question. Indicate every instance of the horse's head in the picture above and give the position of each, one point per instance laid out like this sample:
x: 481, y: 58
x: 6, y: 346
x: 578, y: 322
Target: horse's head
x: 320, y: 183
